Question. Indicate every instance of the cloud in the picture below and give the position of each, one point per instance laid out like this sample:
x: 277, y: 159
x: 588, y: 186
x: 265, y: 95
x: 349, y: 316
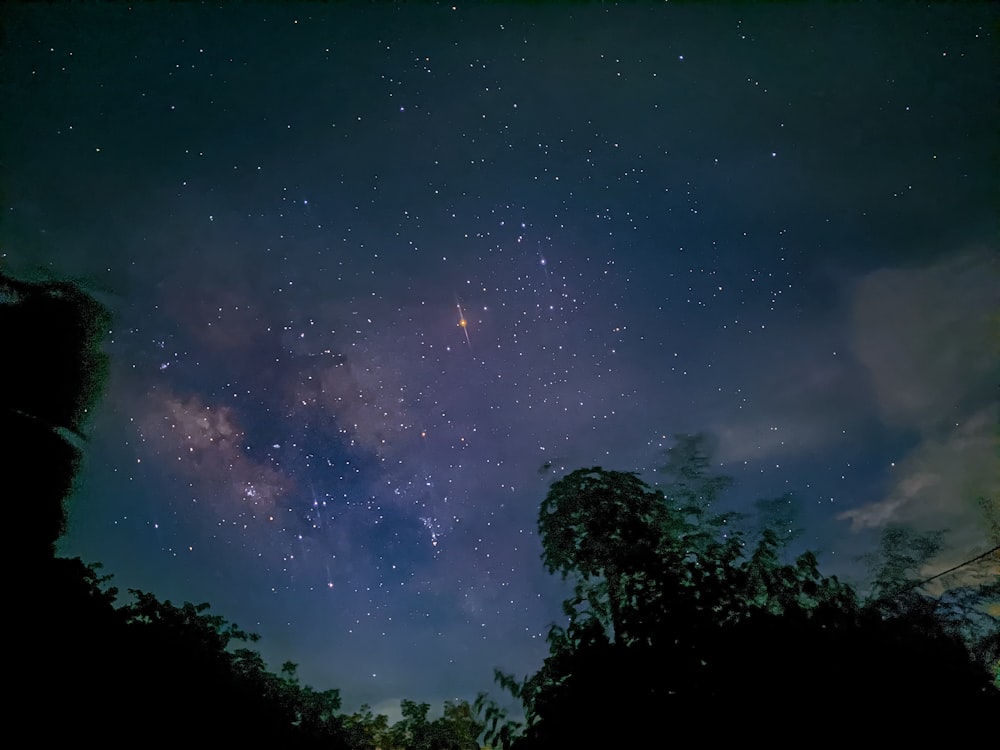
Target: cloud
x: 763, y: 438
x: 939, y: 481
x: 927, y: 337
x: 789, y: 408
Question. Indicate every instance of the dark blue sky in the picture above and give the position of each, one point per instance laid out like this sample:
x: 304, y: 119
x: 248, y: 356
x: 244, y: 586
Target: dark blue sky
x: 773, y: 224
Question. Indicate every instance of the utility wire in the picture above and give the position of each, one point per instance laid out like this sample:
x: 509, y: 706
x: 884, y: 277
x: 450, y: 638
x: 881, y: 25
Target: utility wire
x: 956, y: 567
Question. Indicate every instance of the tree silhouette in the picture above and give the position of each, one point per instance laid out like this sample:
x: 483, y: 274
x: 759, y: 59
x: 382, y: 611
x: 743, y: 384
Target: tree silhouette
x: 499, y: 730
x: 602, y: 525
x: 674, y: 611
x: 159, y: 668
x: 53, y: 374
x: 898, y: 591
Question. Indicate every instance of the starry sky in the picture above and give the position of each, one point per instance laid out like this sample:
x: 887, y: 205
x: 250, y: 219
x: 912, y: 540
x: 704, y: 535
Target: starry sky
x: 381, y: 273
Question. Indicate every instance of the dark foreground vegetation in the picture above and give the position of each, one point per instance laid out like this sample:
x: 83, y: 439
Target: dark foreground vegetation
x: 678, y: 618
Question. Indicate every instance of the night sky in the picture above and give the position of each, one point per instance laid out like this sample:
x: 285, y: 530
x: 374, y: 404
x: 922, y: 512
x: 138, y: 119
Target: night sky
x: 380, y: 274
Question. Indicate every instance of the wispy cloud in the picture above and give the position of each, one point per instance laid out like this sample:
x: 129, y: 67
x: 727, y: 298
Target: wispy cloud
x: 927, y: 337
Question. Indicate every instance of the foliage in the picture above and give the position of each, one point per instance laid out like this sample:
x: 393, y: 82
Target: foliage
x: 602, y: 525
x: 649, y: 563
x: 456, y: 729
x: 189, y: 622
x: 895, y: 566
x: 53, y: 373
x: 675, y: 607
x: 499, y: 731
x: 960, y: 611
x: 365, y: 731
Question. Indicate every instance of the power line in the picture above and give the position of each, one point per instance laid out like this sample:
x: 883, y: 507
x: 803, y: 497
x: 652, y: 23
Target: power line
x: 956, y: 567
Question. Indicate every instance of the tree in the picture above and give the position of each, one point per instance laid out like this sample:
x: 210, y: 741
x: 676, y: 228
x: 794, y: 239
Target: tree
x: 602, y: 525
x: 457, y: 729
x: 365, y: 731
x: 672, y: 611
x: 639, y: 555
x: 958, y: 611
x: 53, y: 373
x: 499, y: 731
x: 160, y: 667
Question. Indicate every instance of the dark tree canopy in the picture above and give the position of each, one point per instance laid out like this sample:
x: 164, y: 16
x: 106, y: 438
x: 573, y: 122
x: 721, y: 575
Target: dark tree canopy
x: 676, y: 610
x: 53, y: 373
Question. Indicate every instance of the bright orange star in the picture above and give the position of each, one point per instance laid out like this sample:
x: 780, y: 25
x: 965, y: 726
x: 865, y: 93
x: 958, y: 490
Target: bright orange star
x: 462, y: 323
